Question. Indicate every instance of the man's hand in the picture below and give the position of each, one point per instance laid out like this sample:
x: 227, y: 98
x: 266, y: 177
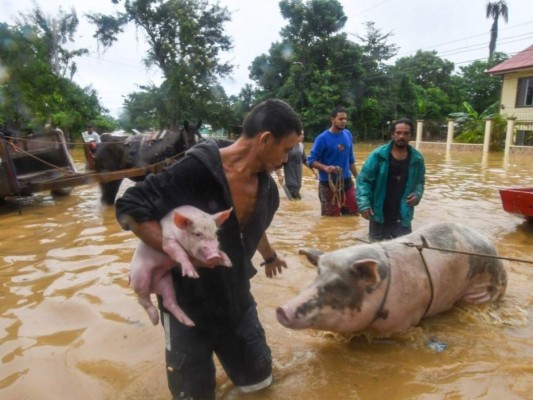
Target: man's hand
x: 275, y: 267
x: 366, y: 214
x: 280, y: 176
x: 330, y: 169
x: 412, y: 200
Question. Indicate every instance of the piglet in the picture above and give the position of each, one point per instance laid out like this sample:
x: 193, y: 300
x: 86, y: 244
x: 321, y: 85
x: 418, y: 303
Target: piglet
x: 189, y: 234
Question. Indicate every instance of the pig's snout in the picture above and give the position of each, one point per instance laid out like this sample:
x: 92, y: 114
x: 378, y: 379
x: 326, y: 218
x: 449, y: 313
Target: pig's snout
x: 213, y: 259
x: 285, y: 316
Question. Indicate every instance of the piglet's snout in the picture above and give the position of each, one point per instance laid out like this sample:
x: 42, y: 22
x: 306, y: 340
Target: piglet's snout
x: 210, y: 254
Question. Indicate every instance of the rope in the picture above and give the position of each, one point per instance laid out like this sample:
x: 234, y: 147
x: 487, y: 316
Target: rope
x: 42, y: 139
x: 381, y: 313
x: 337, y: 187
x: 72, y: 173
x: 420, y: 248
x: 468, y: 253
x: 66, y: 171
x: 431, y: 288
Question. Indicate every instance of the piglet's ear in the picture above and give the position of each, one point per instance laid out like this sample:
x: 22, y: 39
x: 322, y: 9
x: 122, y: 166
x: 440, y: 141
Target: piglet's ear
x: 312, y: 255
x: 367, y: 270
x: 181, y: 221
x: 222, y: 216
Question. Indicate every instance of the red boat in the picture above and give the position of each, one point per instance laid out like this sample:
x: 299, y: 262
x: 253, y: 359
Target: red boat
x: 518, y: 201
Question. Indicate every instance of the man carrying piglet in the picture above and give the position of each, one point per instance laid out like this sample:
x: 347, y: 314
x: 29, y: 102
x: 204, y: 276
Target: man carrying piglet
x: 217, y: 176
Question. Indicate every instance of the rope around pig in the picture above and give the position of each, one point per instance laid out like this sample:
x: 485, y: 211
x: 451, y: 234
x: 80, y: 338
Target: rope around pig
x: 383, y: 314
x: 468, y: 253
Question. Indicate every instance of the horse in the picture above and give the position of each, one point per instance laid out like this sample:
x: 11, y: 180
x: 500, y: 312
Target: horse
x: 154, y: 150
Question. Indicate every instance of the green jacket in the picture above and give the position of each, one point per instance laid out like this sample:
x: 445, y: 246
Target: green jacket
x: 372, y: 183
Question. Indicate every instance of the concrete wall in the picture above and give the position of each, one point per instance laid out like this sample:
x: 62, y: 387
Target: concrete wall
x: 468, y: 147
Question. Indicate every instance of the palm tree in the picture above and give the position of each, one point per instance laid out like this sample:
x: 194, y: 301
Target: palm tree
x: 495, y: 9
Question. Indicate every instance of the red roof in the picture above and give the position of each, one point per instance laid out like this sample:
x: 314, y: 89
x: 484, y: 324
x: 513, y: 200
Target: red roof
x: 519, y: 61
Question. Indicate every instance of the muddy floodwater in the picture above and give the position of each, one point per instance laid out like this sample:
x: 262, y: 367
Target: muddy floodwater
x: 70, y: 327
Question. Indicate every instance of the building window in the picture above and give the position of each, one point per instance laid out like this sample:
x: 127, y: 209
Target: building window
x: 525, y: 92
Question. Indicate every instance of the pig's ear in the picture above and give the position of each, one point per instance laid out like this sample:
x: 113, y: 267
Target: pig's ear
x: 312, y: 255
x: 222, y: 216
x: 367, y: 270
x: 180, y: 220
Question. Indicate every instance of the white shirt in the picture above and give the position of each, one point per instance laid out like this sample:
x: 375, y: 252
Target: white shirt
x: 90, y: 137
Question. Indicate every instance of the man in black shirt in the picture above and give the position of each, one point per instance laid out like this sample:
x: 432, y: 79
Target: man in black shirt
x: 216, y: 176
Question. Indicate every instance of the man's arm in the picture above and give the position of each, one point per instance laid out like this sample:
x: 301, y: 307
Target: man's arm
x: 364, y: 189
x: 414, y: 198
x: 329, y: 169
x: 149, y: 232
x: 353, y: 170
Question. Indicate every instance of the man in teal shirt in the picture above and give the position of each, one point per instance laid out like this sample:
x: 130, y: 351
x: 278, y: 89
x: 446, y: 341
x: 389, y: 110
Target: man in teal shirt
x: 390, y: 184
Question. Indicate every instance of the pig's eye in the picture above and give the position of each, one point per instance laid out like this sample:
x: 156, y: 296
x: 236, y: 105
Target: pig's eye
x: 198, y: 234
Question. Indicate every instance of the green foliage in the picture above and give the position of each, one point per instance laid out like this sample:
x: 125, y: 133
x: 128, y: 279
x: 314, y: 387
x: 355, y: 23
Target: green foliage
x: 34, y: 90
x: 55, y: 33
x: 312, y: 21
x: 314, y: 67
x: 479, y: 88
x: 186, y: 39
x: 472, y: 125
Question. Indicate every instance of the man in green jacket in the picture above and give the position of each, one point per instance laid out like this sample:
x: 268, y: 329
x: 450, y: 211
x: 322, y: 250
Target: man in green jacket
x: 390, y: 184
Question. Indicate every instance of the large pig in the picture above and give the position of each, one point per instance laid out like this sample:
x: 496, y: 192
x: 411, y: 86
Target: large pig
x: 390, y: 286
x: 188, y: 233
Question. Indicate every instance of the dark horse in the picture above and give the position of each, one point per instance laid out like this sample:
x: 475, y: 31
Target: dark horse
x: 141, y: 151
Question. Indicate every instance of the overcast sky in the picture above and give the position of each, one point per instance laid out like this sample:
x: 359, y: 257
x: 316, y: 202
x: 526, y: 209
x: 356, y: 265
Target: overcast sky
x: 457, y: 29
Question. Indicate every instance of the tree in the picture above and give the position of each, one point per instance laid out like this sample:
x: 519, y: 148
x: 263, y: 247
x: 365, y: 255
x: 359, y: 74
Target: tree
x: 186, y: 38
x: 34, y: 94
x: 422, y: 86
x: 376, y: 48
x: 495, y: 9
x: 472, y: 125
x: 56, y: 32
x: 312, y: 21
x: 373, y: 85
x: 479, y: 88
x: 313, y: 67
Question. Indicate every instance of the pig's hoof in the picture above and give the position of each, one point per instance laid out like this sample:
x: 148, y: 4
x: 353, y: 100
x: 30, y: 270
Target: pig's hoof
x: 189, y: 272
x: 154, y: 317
x: 187, y: 322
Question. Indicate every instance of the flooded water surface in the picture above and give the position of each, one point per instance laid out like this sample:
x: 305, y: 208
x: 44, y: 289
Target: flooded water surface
x: 70, y: 326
